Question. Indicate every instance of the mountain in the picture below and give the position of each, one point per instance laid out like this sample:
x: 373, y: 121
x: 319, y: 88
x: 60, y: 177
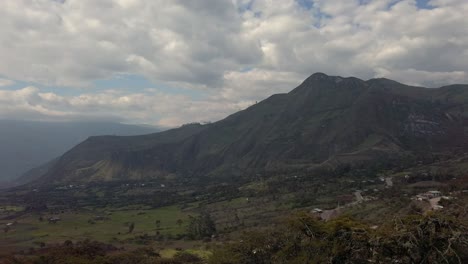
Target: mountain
x: 27, y: 144
x: 324, y: 121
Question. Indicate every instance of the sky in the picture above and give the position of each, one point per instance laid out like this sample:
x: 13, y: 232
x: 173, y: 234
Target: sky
x: 168, y: 63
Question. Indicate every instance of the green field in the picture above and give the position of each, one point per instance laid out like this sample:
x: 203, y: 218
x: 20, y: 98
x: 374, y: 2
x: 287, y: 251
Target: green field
x: 11, y: 208
x: 79, y: 225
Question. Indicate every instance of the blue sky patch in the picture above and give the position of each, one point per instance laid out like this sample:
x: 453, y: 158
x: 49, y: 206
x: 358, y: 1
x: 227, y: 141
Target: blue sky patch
x: 423, y: 4
x: 307, y: 4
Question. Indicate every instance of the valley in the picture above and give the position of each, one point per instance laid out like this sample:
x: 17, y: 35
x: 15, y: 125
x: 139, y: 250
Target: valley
x: 160, y: 212
x: 367, y: 160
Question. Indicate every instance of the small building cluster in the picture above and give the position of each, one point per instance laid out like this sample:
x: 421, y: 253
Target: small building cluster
x: 433, y: 198
x: 67, y: 187
x: 317, y: 211
x: 428, y: 195
x: 54, y: 220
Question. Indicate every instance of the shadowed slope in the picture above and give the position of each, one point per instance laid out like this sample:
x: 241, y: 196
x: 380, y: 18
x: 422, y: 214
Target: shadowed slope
x: 326, y: 117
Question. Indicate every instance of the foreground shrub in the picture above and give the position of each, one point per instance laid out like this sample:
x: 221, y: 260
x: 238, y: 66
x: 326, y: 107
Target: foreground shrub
x: 414, y: 239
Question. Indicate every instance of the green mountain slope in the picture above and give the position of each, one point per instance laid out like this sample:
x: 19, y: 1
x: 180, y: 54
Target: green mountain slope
x: 326, y: 118
x: 27, y: 144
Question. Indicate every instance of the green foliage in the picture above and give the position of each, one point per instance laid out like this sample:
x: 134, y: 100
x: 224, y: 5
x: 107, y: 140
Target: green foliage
x: 428, y: 239
x: 201, y: 226
x: 92, y: 252
x: 417, y: 239
x: 179, y: 222
x: 131, y: 227
x: 186, y: 257
x: 82, y: 252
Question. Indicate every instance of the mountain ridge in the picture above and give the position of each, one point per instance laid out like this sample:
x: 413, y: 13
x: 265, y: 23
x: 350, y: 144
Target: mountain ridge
x: 28, y: 144
x: 325, y: 117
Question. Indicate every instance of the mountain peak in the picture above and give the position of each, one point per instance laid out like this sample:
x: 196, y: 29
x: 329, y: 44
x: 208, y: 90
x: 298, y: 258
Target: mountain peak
x: 322, y: 82
x: 324, y: 118
x: 318, y: 76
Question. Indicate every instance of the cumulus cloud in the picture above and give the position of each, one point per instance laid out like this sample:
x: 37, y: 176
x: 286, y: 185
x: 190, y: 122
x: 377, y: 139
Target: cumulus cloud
x: 232, y: 52
x: 149, y: 106
x: 72, y: 43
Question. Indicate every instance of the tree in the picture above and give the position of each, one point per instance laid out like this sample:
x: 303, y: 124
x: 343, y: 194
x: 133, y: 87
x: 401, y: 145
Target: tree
x: 201, y: 226
x: 68, y: 243
x: 131, y: 226
x: 179, y: 222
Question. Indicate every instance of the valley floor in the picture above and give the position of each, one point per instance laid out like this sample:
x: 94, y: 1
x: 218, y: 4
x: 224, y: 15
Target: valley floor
x: 171, y: 218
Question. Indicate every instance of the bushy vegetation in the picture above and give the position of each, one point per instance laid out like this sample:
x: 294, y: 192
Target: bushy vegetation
x: 201, y: 227
x: 92, y: 252
x: 413, y: 239
x: 433, y: 238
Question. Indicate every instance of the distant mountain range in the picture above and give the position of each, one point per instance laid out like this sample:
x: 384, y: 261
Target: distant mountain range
x: 27, y: 144
x: 327, y: 120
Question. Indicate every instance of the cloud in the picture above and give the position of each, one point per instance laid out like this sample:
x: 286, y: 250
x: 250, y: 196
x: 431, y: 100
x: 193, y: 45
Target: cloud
x: 238, y: 85
x: 230, y: 52
x: 6, y: 82
x: 76, y: 42
x: 149, y: 106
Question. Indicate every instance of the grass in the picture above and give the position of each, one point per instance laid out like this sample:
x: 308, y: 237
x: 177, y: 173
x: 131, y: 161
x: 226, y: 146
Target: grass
x: 169, y: 252
x: 204, y: 254
x: 256, y: 186
x: 11, y: 208
x: 75, y: 226
x: 376, y: 211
